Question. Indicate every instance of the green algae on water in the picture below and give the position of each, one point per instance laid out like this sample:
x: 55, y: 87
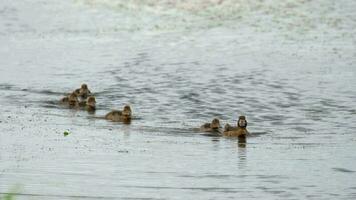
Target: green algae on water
x: 65, y: 133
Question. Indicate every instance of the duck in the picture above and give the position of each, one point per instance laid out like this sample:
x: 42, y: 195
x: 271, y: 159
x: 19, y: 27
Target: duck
x: 239, y: 131
x: 211, y: 127
x: 89, y: 104
x: 64, y: 100
x: 83, y: 92
x: 70, y: 100
x: 120, y: 116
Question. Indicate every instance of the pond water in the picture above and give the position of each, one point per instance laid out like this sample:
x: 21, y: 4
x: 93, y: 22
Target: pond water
x: 290, y: 67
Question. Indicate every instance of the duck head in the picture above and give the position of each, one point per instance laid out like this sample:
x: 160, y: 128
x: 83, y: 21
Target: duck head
x: 215, y: 124
x: 127, y: 111
x: 73, y: 99
x: 242, y: 122
x: 91, y: 101
x: 84, y: 86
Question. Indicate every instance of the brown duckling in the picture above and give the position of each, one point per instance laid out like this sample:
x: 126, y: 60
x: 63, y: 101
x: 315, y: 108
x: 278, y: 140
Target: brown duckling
x: 70, y: 100
x: 83, y: 92
x: 73, y: 100
x: 89, y: 104
x: 91, y: 107
x: 239, y: 131
x: 64, y: 100
x: 120, y: 116
x: 211, y: 127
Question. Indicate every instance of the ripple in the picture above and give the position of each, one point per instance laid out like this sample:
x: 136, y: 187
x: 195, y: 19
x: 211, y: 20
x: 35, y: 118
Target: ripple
x: 338, y: 169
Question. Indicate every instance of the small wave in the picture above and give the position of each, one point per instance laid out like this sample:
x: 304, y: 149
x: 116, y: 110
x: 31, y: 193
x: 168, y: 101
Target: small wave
x: 338, y: 169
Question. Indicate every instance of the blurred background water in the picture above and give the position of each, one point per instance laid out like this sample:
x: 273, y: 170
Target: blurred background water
x: 289, y: 66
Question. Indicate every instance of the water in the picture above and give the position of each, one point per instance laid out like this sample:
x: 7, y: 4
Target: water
x: 288, y: 66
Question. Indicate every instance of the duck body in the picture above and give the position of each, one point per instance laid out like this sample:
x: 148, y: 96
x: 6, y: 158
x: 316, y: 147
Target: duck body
x: 214, y: 126
x: 64, y: 100
x: 120, y: 116
x: 70, y: 100
x: 89, y: 104
x: 90, y: 108
x: 231, y: 131
x: 238, y: 131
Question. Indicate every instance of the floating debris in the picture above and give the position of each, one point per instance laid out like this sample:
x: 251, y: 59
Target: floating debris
x: 65, y: 133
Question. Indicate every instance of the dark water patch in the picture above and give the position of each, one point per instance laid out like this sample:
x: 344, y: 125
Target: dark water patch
x: 50, y: 104
x: 145, y: 90
x: 333, y: 194
x: 49, y: 92
x: 64, y: 75
x: 293, y: 97
x: 284, y: 104
x: 8, y: 10
x: 288, y: 137
x: 8, y: 87
x: 272, y: 181
x: 302, y: 129
x: 215, y: 135
x: 316, y: 110
x: 292, y: 188
x: 338, y: 169
x: 310, y: 186
x: 313, y: 196
x: 182, y: 65
x: 121, y: 79
x: 277, y: 123
x: 276, y: 86
x: 161, y: 172
x: 167, y: 130
x: 274, y: 118
x: 137, y: 61
x: 213, y: 176
x: 273, y: 191
x: 330, y: 103
x: 306, y: 145
x: 276, y: 191
x: 257, y: 134
x: 316, y: 113
x: 192, y: 97
x: 205, y: 189
x: 262, y: 188
x: 271, y: 177
x: 352, y: 111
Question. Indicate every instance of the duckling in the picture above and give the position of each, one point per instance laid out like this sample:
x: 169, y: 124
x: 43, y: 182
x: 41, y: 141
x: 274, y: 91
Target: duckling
x: 83, y: 92
x: 71, y: 100
x: 211, y: 127
x: 90, y: 107
x: 64, y: 100
x: 239, y: 131
x: 120, y: 116
x: 88, y: 102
